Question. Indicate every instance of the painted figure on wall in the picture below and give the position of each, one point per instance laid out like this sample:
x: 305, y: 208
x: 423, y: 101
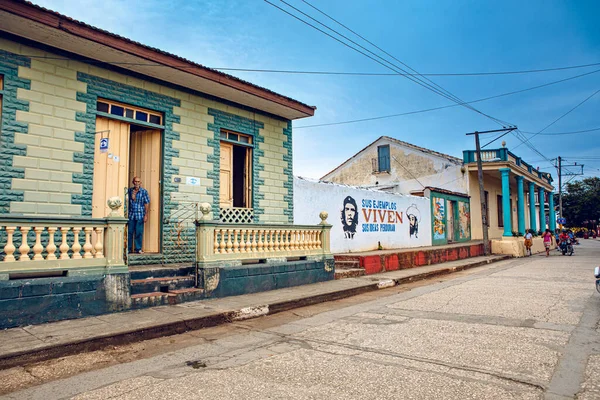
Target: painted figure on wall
x: 464, y: 220
x: 414, y: 217
x: 439, y: 225
x: 349, y: 217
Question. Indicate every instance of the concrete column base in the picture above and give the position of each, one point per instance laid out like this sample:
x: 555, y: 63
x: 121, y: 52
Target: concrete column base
x: 515, y: 246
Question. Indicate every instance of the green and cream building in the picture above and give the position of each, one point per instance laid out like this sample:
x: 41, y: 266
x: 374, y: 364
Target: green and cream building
x: 84, y: 111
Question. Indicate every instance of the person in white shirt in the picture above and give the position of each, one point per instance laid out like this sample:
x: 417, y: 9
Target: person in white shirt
x: 528, y: 242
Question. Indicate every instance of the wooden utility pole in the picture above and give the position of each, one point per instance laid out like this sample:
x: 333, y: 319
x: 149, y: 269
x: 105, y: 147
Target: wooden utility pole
x: 560, y: 188
x: 484, y: 221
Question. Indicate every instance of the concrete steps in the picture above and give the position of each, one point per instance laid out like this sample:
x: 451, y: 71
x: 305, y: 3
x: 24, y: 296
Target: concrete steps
x: 153, y: 286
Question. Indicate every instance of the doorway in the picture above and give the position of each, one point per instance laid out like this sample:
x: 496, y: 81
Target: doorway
x: 450, y: 220
x: 133, y: 150
x: 236, y: 171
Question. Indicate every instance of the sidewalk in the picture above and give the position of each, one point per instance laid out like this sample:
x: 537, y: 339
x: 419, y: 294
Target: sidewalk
x: 40, y: 342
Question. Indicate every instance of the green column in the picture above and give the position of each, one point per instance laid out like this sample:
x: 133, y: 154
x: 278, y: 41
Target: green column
x: 532, y: 223
x: 552, y: 212
x: 542, y: 209
x: 520, y: 205
x: 506, y: 211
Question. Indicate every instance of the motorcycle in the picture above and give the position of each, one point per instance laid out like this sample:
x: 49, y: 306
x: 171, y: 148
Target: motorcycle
x: 597, y: 275
x: 566, y: 247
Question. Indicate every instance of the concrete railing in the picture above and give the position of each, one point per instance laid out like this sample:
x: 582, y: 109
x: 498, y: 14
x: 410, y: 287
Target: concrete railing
x: 221, y: 242
x: 39, y: 243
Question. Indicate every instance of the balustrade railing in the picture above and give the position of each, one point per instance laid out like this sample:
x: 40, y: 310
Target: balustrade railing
x: 40, y: 243
x: 219, y: 241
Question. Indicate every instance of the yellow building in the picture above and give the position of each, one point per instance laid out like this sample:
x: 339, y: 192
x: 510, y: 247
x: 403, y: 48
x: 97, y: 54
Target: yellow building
x: 518, y: 197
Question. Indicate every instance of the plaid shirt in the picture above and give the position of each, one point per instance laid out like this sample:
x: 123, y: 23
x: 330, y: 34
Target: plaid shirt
x: 137, y: 211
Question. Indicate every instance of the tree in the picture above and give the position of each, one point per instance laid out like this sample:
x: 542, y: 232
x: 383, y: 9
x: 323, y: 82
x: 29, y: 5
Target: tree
x: 581, y: 202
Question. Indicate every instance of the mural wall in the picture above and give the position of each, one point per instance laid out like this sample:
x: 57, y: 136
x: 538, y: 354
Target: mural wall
x: 451, y: 218
x: 363, y: 219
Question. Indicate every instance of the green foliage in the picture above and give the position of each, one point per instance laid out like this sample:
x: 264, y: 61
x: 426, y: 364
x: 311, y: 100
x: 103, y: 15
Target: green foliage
x: 581, y: 202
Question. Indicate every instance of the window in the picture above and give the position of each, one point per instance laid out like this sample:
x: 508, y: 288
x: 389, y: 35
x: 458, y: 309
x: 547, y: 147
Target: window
x: 500, y: 211
x: 236, y: 170
x: 127, y: 111
x: 383, y: 158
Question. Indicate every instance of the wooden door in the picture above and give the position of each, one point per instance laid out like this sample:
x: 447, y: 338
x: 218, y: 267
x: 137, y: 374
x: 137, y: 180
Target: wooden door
x: 450, y: 219
x: 145, y: 163
x: 226, y: 176
x: 248, y: 179
x: 111, y: 169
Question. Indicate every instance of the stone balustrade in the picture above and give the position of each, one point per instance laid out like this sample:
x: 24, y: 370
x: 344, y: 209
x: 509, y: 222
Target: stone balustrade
x: 218, y: 241
x: 39, y: 243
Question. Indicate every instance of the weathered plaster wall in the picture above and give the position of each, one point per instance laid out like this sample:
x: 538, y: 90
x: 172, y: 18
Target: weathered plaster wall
x: 51, y: 129
x: 405, y: 165
x: 382, y: 218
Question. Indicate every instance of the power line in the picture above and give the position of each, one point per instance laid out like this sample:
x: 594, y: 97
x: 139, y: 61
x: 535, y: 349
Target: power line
x: 563, y: 133
x: 448, y: 106
x: 304, y: 72
x: 561, y: 117
x: 386, y: 63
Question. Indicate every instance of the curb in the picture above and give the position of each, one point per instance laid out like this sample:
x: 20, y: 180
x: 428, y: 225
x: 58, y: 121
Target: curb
x: 218, y: 318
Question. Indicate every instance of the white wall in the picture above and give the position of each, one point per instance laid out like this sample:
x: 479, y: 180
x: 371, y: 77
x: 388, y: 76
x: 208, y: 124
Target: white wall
x: 381, y: 217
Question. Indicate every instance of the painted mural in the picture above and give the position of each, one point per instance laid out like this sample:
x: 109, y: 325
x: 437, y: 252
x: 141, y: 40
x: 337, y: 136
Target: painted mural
x: 349, y: 217
x: 464, y: 220
x: 414, y: 217
x: 439, y: 222
x: 363, y: 219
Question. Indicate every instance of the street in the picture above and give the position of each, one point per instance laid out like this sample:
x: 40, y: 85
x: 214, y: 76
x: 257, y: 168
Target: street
x: 519, y: 329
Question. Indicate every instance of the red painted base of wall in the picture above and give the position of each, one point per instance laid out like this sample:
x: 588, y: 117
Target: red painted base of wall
x: 409, y: 259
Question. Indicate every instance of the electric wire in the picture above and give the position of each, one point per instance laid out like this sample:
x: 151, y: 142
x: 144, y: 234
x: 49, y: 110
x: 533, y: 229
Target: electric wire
x: 447, y: 106
x: 385, y: 63
x: 563, y: 133
x: 561, y: 117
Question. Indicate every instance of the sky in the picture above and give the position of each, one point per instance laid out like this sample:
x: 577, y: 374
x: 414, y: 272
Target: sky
x: 432, y: 37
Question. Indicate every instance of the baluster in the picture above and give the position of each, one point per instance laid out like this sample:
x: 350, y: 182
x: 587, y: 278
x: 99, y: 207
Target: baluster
x: 222, y: 242
x: 229, y: 243
x: 293, y: 240
x: 99, y: 246
x: 10, y: 248
x: 51, y: 247
x: 249, y: 234
x: 302, y: 239
x: 87, y: 246
x: 37, y: 247
x: 319, y: 240
x: 270, y: 240
x: 64, y: 246
x: 276, y: 241
x: 236, y: 244
x: 313, y: 243
x: 24, y: 248
x: 284, y: 241
x: 76, y: 245
x: 260, y: 242
x: 242, y: 240
x: 216, y: 241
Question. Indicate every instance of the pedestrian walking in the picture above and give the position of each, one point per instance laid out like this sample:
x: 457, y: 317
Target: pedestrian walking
x: 548, y: 238
x: 528, y: 242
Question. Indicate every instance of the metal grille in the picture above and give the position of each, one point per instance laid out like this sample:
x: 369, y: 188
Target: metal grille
x: 236, y: 215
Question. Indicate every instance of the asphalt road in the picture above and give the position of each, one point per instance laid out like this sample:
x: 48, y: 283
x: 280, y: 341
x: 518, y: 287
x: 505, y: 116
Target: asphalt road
x: 519, y: 329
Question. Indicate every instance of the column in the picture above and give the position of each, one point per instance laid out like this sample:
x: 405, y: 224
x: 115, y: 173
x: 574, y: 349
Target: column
x: 520, y: 205
x: 532, y: 223
x: 552, y: 212
x: 506, y: 211
x: 542, y: 209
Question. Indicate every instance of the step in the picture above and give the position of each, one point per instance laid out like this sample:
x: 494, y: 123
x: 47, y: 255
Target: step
x: 349, y: 273
x: 183, y: 295
x: 162, y: 284
x: 346, y: 264
x: 154, y: 271
x: 145, y: 300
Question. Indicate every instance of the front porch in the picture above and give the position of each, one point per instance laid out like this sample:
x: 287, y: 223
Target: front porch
x: 62, y: 268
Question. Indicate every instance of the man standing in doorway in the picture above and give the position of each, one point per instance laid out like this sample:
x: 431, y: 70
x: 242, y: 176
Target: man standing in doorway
x: 138, y: 215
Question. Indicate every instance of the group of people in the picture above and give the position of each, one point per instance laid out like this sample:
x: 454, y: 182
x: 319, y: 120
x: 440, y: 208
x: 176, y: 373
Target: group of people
x: 558, y: 237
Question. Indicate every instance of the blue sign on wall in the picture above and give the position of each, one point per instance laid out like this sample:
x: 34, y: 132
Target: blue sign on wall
x: 561, y: 221
x: 103, y: 145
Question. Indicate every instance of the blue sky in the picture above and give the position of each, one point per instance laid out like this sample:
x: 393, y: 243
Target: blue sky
x: 430, y: 36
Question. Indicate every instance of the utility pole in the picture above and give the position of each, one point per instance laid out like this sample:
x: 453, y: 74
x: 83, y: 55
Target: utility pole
x: 560, y: 188
x: 484, y: 221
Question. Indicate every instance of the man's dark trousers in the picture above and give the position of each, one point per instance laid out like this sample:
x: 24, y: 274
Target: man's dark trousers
x: 135, y: 231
